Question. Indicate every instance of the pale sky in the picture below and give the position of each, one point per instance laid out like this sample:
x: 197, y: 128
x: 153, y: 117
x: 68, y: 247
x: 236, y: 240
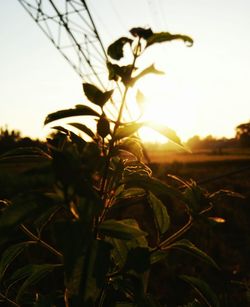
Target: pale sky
x: 206, y: 89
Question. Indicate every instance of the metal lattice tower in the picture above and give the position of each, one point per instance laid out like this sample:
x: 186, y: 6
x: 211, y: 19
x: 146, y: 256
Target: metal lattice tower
x: 70, y: 27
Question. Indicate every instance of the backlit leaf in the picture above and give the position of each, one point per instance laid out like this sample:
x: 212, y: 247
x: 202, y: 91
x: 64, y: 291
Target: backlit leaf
x: 203, y: 289
x: 160, y: 213
x: 115, y: 50
x: 121, y: 229
x: 167, y: 132
x: 78, y: 111
x: 166, y: 37
x: 149, y: 70
x: 127, y: 130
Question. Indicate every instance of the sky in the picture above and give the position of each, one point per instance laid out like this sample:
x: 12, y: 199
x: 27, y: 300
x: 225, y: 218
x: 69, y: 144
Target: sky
x: 205, y: 89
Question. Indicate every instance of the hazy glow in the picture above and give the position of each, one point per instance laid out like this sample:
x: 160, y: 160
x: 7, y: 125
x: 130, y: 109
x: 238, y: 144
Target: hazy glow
x: 205, y: 89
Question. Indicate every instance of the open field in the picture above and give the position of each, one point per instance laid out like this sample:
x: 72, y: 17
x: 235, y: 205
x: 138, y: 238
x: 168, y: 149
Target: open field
x: 229, y: 242
x: 165, y: 156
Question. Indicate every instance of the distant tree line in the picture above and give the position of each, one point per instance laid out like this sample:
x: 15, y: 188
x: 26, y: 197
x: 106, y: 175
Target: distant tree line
x: 242, y: 139
x: 11, y: 139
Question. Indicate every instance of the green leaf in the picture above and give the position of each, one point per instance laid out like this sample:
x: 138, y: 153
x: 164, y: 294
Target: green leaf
x: 80, y: 110
x: 154, y: 185
x: 115, y: 50
x: 157, y: 255
x: 127, y: 130
x: 103, y: 128
x: 160, y: 213
x: 141, y: 32
x: 124, y: 229
x: 84, y: 129
x: 95, y: 95
x: 167, y: 132
x: 131, y: 193
x: 166, y: 37
x: 35, y: 273
x: 188, y: 246
x: 138, y: 260
x: 203, y: 289
x: 9, y: 256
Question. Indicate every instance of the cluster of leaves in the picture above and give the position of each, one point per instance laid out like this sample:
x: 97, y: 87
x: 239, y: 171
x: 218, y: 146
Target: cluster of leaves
x: 91, y: 236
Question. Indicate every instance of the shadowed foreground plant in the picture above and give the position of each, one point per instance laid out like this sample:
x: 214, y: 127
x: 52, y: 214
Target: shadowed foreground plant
x: 90, y: 235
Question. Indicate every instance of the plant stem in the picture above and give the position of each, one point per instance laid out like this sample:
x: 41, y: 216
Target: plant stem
x: 41, y: 242
x: 117, y: 124
x: 176, y: 235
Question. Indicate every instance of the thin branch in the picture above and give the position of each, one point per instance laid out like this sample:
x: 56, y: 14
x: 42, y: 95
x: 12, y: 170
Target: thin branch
x: 41, y: 242
x: 6, y: 299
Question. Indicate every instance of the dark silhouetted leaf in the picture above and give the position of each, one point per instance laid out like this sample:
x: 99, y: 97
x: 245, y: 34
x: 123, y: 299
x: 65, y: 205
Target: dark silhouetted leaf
x: 34, y: 274
x: 166, y: 37
x: 138, y: 260
x: 61, y: 129
x: 203, y: 289
x: 133, y: 146
x: 102, y: 261
x: 9, y: 255
x: 154, y: 185
x: 115, y: 50
x: 95, y: 95
x: 103, y: 128
x: 196, y: 198
x: 23, y: 159
x: 123, y: 72
x: 84, y: 129
x: 189, y: 247
x: 127, y: 130
x: 15, y: 214
x: 160, y: 213
x: 80, y: 110
x: 125, y: 229
x: 141, y: 32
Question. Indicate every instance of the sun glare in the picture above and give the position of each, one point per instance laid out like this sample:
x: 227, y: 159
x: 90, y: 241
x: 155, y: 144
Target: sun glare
x: 171, y: 111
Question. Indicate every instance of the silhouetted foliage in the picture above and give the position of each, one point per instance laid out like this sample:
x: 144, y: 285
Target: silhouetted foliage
x: 11, y: 139
x: 243, y: 134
